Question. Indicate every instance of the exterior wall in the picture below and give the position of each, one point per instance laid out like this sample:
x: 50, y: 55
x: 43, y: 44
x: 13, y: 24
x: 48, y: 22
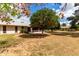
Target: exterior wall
x: 1, y: 29
x: 19, y: 29
x: 11, y: 29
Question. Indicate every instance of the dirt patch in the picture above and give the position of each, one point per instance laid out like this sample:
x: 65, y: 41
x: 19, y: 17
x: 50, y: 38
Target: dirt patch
x: 53, y: 44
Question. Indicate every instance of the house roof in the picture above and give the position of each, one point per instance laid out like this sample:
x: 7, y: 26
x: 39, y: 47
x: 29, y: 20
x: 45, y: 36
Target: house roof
x: 12, y: 24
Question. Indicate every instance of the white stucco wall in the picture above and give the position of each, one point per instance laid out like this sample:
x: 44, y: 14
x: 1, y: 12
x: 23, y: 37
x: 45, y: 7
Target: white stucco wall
x: 10, y: 29
x: 1, y: 29
x: 19, y: 28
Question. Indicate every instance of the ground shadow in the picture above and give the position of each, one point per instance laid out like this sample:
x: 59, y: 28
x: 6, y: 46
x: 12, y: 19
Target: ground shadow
x: 33, y: 35
x: 68, y: 33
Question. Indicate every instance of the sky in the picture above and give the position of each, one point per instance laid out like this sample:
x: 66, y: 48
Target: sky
x: 69, y: 10
x: 33, y: 8
x: 52, y: 6
x: 56, y: 7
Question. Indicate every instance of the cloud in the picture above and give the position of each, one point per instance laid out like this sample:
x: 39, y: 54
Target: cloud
x: 53, y: 9
x: 70, y: 11
x: 62, y: 4
x: 57, y: 10
x: 68, y: 6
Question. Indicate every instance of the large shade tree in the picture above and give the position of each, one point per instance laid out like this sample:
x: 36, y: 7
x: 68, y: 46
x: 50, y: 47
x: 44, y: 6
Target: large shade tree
x: 44, y: 19
x: 74, y: 21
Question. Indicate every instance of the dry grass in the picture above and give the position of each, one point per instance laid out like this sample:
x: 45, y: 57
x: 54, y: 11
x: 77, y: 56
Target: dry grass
x: 54, y: 44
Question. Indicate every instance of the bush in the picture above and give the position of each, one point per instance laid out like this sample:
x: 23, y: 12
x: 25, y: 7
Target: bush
x: 23, y: 31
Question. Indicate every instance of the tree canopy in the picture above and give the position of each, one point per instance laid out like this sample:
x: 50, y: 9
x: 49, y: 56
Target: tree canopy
x: 44, y: 19
x: 13, y: 9
x: 74, y: 20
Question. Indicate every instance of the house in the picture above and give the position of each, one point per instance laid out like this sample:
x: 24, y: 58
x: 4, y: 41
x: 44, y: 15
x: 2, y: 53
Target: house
x: 64, y: 25
x: 14, y: 26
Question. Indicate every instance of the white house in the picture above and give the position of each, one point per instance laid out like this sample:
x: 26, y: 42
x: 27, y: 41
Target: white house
x: 14, y: 26
x: 65, y: 25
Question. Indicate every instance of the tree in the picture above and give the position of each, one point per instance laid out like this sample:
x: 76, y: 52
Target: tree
x: 7, y: 9
x: 14, y: 9
x: 74, y: 20
x: 44, y: 19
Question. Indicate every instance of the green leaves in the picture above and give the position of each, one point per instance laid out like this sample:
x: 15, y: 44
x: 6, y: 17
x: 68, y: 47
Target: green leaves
x: 71, y: 18
x: 14, y: 9
x: 44, y: 18
x: 6, y: 19
x: 10, y: 8
x: 5, y: 7
x: 74, y: 20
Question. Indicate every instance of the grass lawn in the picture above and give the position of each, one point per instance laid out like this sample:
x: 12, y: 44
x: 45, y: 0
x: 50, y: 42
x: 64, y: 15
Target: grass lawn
x: 6, y: 40
x: 54, y: 44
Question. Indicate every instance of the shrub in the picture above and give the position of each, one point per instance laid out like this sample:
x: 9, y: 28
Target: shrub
x: 23, y: 31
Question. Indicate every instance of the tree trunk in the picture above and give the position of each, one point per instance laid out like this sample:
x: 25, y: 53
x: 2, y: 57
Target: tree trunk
x: 52, y: 30
x: 42, y: 31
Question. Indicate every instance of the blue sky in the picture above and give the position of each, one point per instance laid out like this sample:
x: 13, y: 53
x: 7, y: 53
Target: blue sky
x: 56, y: 7
x: 35, y: 7
x: 52, y: 6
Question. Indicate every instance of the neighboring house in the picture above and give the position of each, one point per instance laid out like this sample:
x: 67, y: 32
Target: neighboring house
x: 64, y: 26
x: 13, y: 27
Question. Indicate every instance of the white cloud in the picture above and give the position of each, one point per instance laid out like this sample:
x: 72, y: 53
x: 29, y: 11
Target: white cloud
x: 57, y: 10
x: 62, y: 4
x: 70, y: 11
x: 68, y: 6
x: 53, y: 9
